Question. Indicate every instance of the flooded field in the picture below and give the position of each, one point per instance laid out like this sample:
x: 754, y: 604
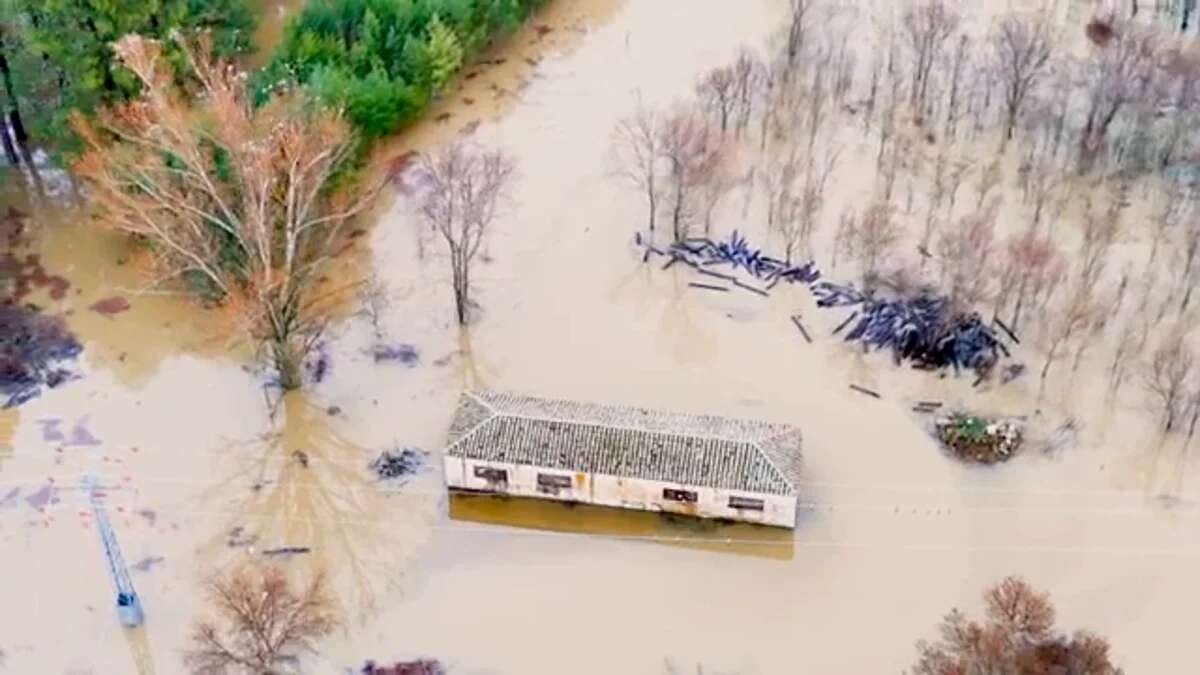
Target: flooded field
x: 204, y: 467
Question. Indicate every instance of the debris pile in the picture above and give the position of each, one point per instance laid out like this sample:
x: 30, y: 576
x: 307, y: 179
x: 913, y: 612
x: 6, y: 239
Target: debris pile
x: 979, y: 439
x: 392, y: 464
x: 418, y: 667
x: 705, y: 256
x: 33, y: 349
x: 923, y: 330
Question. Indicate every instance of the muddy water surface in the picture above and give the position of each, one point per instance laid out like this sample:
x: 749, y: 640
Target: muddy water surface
x: 205, y: 468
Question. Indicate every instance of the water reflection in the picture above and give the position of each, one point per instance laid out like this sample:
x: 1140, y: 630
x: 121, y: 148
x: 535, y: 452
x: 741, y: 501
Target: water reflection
x: 655, y: 528
x: 310, y: 490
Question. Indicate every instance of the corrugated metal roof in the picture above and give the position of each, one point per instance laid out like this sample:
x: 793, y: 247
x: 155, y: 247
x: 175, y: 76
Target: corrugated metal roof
x: 699, y: 450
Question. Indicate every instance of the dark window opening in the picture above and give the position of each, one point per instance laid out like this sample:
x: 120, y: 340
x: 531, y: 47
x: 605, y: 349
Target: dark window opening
x: 491, y: 475
x: 679, y: 495
x: 746, y: 503
x: 549, y: 480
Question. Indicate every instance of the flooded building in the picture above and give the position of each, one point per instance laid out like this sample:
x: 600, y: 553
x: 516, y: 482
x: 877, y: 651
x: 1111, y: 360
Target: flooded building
x: 698, y: 465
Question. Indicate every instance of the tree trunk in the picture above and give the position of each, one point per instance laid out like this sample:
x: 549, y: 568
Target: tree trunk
x: 9, y: 151
x: 653, y: 205
x: 287, y: 363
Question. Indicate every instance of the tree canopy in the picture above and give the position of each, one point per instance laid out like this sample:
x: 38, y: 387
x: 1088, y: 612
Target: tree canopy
x: 383, y: 61
x: 59, y: 52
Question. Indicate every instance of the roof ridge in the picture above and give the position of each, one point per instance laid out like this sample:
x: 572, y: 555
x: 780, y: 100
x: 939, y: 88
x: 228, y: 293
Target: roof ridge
x: 779, y: 429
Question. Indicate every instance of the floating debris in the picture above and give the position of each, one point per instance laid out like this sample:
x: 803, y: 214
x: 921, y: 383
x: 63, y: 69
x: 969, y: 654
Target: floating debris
x: 33, y: 347
x: 110, y: 306
x: 418, y: 667
x: 287, y: 550
x: 319, y: 363
x: 403, y: 353
x: 864, y: 390
x: 145, y: 564
x: 978, y: 439
x: 392, y: 464
x: 800, y: 326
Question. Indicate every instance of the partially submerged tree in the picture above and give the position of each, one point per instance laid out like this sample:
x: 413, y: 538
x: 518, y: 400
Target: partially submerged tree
x: 636, y: 146
x: 718, y: 93
x: 965, y: 258
x: 1120, y: 72
x: 1021, y: 49
x: 1016, y: 636
x: 262, y: 623
x: 235, y: 201
x: 693, y: 152
x: 1167, y: 377
x: 926, y: 27
x: 465, y: 185
x: 871, y: 238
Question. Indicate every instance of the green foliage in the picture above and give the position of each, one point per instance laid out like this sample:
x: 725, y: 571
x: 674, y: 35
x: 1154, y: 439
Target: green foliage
x: 385, y: 60
x: 63, y: 60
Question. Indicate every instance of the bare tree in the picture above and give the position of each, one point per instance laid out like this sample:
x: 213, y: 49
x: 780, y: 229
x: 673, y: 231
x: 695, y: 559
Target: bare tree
x: 1127, y: 340
x: 1167, y: 376
x: 1033, y: 266
x: 693, y: 151
x: 954, y: 105
x: 964, y: 256
x: 235, y: 200
x: 1017, y: 636
x: 989, y: 178
x: 749, y: 73
x: 799, y: 18
x: 464, y: 187
x: 812, y: 197
x: 262, y: 624
x: 718, y: 94
x: 1064, y: 325
x: 1120, y: 71
x: 1099, y: 233
x: 717, y: 182
x: 927, y: 26
x: 872, y: 237
x: 636, y: 144
x: 1021, y: 50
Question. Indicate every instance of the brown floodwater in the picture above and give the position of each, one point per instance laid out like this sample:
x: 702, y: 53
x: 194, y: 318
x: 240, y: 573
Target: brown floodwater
x: 206, y: 469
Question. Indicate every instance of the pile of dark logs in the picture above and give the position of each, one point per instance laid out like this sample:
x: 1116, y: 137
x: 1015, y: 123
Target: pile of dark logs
x: 923, y: 328
x: 709, y: 257
x: 925, y: 331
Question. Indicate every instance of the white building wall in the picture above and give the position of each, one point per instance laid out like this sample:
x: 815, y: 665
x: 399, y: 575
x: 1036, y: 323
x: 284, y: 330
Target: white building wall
x: 615, y: 491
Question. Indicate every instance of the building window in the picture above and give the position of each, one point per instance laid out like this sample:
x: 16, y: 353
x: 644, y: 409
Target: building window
x: 687, y: 496
x: 746, y: 503
x: 551, y: 481
x: 491, y: 475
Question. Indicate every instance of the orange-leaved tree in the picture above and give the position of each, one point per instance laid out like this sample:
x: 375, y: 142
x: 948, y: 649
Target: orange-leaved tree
x: 235, y: 201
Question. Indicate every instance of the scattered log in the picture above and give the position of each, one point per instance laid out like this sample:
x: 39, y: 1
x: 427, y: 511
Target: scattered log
x: 930, y: 404
x: 1006, y: 329
x: 864, y: 390
x: 287, y: 550
x: 845, y: 323
x: 796, y: 320
x: 710, y: 287
x: 750, y: 288
x: 718, y: 275
x: 674, y: 259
